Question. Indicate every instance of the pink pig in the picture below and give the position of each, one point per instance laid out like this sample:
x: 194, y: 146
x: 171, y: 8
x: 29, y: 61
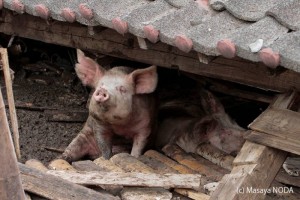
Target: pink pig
x: 121, y: 104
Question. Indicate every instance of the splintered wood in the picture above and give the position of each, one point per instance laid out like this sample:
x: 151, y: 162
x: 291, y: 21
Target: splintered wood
x: 10, y: 182
x: 51, y: 187
x: 282, y: 126
x: 131, y: 179
x: 11, y: 101
x: 256, y: 166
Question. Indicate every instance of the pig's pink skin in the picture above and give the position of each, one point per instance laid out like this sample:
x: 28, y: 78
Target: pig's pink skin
x: 129, y: 109
x: 84, y: 144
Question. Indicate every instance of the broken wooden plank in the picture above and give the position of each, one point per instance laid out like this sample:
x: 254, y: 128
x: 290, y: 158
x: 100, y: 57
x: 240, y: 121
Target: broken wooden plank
x: 282, y: 123
x: 11, y: 101
x: 130, y: 164
x: 169, y: 162
x: 85, y: 165
x: 10, y: 181
x: 36, y: 164
x: 231, y: 89
x: 274, y: 141
x: 88, y: 165
x: 66, y: 116
x: 191, y: 181
x: 255, y: 167
x: 60, y: 164
x: 145, y: 194
x: 158, y: 166
x: 193, y: 194
x: 204, y: 167
x: 287, y: 179
x: 52, y: 187
x: 215, y: 155
x: 111, y: 43
x: 107, y: 166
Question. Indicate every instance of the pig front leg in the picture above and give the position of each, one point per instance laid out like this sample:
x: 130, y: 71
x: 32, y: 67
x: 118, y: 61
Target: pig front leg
x: 84, y: 144
x: 139, y: 142
x: 104, y: 140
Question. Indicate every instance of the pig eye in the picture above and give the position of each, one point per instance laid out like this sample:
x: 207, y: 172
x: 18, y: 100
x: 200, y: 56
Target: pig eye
x: 121, y: 89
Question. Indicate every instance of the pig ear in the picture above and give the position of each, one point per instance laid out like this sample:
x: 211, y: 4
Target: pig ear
x: 87, y: 70
x: 145, y: 80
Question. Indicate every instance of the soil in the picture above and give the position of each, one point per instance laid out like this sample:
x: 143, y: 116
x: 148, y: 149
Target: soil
x: 36, y: 132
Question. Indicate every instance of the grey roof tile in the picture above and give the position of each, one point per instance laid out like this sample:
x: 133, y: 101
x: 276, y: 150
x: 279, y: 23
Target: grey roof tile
x: 15, y: 5
x: 217, y: 4
x: 249, y: 10
x: 180, y: 21
x: 267, y: 29
x: 148, y: 14
x: 287, y: 13
x: 289, y: 50
x: 177, y: 3
x: 107, y: 10
x: 206, y: 36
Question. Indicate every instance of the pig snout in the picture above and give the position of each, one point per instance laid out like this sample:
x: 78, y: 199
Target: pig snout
x: 101, y: 95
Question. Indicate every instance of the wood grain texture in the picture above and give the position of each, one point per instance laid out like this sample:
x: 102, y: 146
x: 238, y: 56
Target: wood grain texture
x: 52, y: 187
x: 10, y: 181
x: 255, y: 166
x: 191, y: 181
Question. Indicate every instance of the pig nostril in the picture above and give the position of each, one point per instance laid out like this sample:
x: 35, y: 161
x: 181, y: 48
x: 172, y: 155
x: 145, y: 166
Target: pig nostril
x: 101, y: 95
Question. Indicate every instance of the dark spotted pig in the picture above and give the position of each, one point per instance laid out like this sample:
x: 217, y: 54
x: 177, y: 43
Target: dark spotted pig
x: 121, y: 104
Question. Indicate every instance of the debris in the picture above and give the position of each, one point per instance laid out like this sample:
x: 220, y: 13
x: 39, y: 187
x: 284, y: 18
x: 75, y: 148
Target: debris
x: 191, y: 181
x: 11, y: 101
x: 52, y: 187
x: 256, y: 46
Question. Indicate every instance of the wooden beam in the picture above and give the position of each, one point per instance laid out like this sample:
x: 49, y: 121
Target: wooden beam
x: 52, y: 187
x: 203, y: 166
x: 11, y: 101
x: 191, y: 181
x: 109, y: 42
x: 10, y: 181
x: 169, y: 162
x: 255, y: 167
x: 274, y: 141
x: 130, y: 164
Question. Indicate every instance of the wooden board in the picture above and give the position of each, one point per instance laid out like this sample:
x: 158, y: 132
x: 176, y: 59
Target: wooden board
x: 145, y: 194
x: 130, y: 164
x: 52, y: 187
x: 191, y: 181
x: 111, y: 43
x: 255, y: 167
x: 169, y: 162
x: 282, y: 123
x: 202, y: 166
x: 275, y: 142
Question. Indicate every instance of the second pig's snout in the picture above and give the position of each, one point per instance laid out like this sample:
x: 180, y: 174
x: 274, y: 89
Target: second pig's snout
x: 101, y: 95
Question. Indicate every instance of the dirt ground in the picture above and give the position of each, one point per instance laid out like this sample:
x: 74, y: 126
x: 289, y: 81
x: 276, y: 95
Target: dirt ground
x: 36, y: 132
